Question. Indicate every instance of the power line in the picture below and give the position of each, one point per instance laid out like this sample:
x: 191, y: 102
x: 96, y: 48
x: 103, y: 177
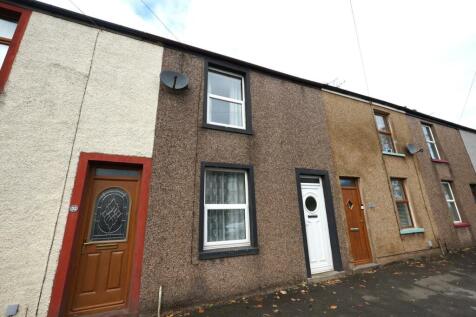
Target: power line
x: 159, y: 19
x: 82, y: 12
x: 467, y: 97
x: 360, y: 49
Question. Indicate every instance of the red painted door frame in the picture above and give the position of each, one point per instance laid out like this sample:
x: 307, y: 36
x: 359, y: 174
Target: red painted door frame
x: 72, y: 221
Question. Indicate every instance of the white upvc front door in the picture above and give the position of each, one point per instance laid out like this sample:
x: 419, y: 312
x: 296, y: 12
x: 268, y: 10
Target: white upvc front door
x: 317, y: 230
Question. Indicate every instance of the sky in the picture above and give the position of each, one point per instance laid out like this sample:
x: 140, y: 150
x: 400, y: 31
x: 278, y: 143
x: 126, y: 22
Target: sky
x: 417, y: 54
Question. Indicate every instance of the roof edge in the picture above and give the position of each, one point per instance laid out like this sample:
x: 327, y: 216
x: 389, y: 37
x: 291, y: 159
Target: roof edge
x: 123, y: 30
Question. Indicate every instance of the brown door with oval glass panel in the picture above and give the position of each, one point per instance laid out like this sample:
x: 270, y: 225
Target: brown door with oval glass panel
x: 354, y: 210
x: 100, y: 273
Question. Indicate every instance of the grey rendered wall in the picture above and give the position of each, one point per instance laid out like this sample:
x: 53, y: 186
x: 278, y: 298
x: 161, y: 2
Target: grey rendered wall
x: 72, y: 88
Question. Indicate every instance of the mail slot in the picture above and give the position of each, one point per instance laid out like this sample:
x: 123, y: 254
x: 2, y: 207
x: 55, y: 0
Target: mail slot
x: 312, y: 216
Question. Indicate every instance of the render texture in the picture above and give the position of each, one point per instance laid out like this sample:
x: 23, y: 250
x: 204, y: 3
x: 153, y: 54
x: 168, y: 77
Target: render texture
x: 289, y: 132
x: 357, y: 153
x: 72, y: 89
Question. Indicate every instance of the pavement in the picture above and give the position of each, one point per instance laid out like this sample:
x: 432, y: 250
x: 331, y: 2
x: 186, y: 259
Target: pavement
x: 442, y: 286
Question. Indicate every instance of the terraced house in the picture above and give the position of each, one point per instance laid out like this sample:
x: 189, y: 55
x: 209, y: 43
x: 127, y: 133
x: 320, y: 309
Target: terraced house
x: 116, y: 188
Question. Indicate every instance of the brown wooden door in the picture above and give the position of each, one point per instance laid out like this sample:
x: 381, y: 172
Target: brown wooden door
x: 102, y: 263
x: 359, y: 242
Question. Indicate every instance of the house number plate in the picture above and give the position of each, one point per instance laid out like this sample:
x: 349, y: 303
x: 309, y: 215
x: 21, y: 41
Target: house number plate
x: 73, y: 208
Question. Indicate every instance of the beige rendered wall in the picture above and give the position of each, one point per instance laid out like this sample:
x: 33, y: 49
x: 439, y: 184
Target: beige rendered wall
x: 469, y: 139
x: 72, y: 88
x: 458, y: 170
x: 357, y: 153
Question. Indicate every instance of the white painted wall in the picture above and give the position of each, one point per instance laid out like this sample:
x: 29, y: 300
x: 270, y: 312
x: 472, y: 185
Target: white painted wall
x: 43, y: 128
x: 469, y: 140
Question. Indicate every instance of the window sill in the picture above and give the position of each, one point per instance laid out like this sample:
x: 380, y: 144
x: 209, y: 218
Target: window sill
x: 411, y: 231
x: 394, y: 154
x: 461, y: 225
x: 227, y: 129
x: 440, y: 161
x: 226, y: 253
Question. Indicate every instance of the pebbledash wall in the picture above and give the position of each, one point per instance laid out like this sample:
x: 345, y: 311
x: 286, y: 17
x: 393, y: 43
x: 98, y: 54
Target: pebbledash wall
x: 289, y: 131
x: 357, y: 153
x: 72, y: 89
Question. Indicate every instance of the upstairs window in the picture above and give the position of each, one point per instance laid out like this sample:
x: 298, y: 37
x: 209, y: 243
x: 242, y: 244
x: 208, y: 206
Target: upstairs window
x: 430, y: 141
x: 13, y: 22
x: 227, y: 105
x: 384, y: 133
x: 450, y: 200
x: 401, y: 201
x: 8, y: 25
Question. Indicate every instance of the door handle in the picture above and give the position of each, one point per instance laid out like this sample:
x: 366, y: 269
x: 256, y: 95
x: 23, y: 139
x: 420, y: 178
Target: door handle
x: 354, y: 229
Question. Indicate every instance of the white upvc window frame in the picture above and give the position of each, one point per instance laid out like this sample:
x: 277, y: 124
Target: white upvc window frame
x: 227, y: 243
x: 218, y: 97
x: 453, y: 200
x: 406, y: 201
x: 432, y: 141
x: 388, y: 132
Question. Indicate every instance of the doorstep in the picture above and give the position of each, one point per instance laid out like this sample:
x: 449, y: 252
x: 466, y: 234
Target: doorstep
x: 364, y: 267
x: 326, y: 276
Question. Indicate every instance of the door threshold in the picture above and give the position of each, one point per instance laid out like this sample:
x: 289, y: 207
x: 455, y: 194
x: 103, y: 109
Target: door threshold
x: 361, y: 268
x: 325, y: 276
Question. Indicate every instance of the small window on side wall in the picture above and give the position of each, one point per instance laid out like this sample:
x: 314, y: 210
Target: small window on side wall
x: 227, y: 102
x: 430, y: 141
x: 401, y: 201
x: 227, y: 211
x: 384, y: 133
x: 473, y: 190
x: 13, y: 22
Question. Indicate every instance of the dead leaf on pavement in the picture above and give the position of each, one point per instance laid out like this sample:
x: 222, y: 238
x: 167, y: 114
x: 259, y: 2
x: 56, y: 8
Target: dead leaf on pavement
x: 200, y: 310
x: 333, y: 306
x: 283, y: 292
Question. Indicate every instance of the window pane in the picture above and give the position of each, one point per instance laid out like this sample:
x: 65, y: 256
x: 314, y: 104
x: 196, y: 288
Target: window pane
x: 433, y: 151
x: 427, y: 133
x: 387, y: 143
x: 345, y: 182
x: 446, y: 191
x: 381, y: 123
x: 111, y: 216
x: 225, y: 112
x: 116, y: 172
x: 224, y: 85
x: 454, y: 211
x: 397, y: 189
x: 3, y: 53
x: 225, y: 187
x: 7, y: 28
x: 226, y: 224
x: 404, y: 215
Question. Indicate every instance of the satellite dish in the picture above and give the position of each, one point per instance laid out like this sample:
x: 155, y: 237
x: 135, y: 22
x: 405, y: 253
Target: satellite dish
x: 412, y: 149
x: 174, y: 80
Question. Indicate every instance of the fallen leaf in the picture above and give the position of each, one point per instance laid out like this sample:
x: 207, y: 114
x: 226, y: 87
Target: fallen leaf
x: 276, y: 311
x: 333, y: 306
x: 275, y: 306
x: 311, y: 299
x: 200, y: 310
x: 259, y: 306
x: 283, y: 292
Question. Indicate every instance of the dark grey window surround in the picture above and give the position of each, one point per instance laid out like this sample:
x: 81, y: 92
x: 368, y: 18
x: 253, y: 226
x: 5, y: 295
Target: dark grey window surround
x: 229, y: 252
x: 233, y: 69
